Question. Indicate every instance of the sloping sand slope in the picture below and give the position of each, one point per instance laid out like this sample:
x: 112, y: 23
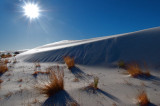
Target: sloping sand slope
x: 141, y: 46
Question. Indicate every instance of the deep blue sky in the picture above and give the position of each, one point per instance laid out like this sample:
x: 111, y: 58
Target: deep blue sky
x: 73, y: 19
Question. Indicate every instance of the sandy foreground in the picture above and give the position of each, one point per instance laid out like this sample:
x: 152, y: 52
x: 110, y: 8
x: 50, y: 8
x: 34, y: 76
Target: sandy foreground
x: 114, y: 88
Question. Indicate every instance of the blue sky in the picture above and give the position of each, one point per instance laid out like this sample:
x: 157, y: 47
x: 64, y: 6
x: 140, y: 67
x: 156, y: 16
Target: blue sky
x: 73, y: 20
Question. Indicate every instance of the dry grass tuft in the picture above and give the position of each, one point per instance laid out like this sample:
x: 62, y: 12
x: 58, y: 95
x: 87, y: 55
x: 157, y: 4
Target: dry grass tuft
x: 114, y: 104
x: 121, y: 64
x: 37, y: 65
x: 1, y: 81
x: 3, y: 68
x: 9, y: 74
x: 134, y: 70
x: 69, y: 62
x: 20, y: 80
x: 20, y: 85
x: 6, y: 61
x: 54, y: 85
x: 143, y: 99
x: 75, y: 80
x: 9, y: 94
x: 35, y: 101
x: 6, y: 55
x: 41, y: 72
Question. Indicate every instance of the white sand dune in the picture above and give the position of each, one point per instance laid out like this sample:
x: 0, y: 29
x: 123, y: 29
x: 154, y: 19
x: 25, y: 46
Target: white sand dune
x: 141, y: 46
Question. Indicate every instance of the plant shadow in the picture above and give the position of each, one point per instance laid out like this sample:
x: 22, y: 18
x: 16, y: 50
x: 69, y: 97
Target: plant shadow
x: 149, y: 78
x: 62, y: 98
x: 78, y: 73
x: 92, y: 90
x: 151, y: 104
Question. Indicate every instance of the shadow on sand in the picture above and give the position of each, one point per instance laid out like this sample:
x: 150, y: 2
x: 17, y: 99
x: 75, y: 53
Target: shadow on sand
x: 78, y: 73
x: 91, y: 90
x: 151, y: 104
x: 62, y: 98
x: 150, y: 78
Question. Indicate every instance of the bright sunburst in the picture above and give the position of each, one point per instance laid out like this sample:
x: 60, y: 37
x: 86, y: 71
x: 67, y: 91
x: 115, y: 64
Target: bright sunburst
x: 31, y: 10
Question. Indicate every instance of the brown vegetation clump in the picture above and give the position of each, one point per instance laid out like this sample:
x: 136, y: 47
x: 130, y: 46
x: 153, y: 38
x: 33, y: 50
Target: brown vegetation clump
x: 9, y: 94
x: 121, y: 64
x: 1, y: 81
x: 134, y: 70
x: 6, y: 55
x: 37, y: 65
x: 3, y: 68
x: 6, y: 61
x: 35, y: 101
x: 54, y: 85
x: 75, y: 80
x: 143, y: 99
x: 20, y: 80
x: 69, y: 62
x: 41, y: 72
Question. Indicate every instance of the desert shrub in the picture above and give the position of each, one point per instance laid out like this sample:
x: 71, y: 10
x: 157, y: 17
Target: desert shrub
x: 6, y: 55
x: 2, y: 55
x: 6, y: 61
x: 9, y: 94
x: 3, y: 68
x: 37, y: 65
x: 134, y: 70
x: 121, y: 64
x: 69, y: 61
x: 75, y: 80
x: 54, y: 85
x: 20, y: 80
x: 1, y: 81
x: 48, y: 70
x: 143, y: 99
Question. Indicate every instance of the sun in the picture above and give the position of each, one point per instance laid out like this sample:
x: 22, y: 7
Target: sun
x: 31, y: 10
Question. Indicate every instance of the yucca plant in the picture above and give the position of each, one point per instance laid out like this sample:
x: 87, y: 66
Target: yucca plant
x: 96, y: 81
